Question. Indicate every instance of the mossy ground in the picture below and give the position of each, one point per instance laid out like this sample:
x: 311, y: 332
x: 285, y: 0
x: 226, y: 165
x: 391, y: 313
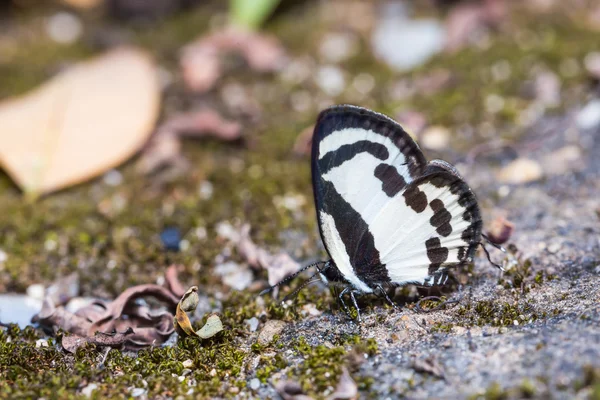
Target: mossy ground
x: 103, y: 232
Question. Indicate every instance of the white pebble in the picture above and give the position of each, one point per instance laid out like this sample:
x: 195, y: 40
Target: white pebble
x: 589, y: 116
x: 64, y: 27
x: 254, y: 384
x: 521, y: 170
x: 87, y: 391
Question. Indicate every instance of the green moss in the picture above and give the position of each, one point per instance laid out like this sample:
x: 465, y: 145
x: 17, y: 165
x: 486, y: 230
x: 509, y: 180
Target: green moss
x: 490, y: 312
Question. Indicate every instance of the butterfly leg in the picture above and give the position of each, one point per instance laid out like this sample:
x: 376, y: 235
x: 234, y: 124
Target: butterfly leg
x: 355, y: 306
x: 384, y: 292
x: 342, y: 302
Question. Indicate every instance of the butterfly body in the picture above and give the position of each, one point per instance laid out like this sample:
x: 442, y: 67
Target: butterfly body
x: 385, y: 215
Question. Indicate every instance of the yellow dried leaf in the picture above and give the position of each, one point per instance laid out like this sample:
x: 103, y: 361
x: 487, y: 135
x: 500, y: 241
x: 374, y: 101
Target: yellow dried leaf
x: 81, y: 123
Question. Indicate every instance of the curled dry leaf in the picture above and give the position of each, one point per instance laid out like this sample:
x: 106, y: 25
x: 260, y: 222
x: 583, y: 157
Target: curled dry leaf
x: 165, y: 147
x: 277, y: 265
x: 188, y: 303
x: 201, y: 60
x: 81, y: 123
x: 290, y: 390
x: 500, y: 230
x: 123, y: 323
x: 467, y: 18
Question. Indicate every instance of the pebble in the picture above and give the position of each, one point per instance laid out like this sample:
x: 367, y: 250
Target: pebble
x: 234, y: 275
x: 252, y: 324
x: 330, y: 80
x: 553, y: 248
x: 521, y: 170
x: 404, y: 44
x: 338, y: 47
x: 113, y: 178
x: 254, y: 383
x: 188, y: 363
x: 272, y: 327
x: 64, y: 28
x: 589, y: 116
x: 170, y: 238
x: 87, y: 391
x: 592, y: 64
x: 435, y: 137
x: 41, y: 343
x: 137, y: 392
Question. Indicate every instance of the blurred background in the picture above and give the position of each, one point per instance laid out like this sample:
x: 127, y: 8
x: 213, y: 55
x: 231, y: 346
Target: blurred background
x: 135, y: 134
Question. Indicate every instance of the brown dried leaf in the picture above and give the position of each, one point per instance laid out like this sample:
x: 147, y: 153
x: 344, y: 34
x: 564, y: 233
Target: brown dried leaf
x: 290, y: 390
x: 165, y: 148
x: 182, y: 323
x: 81, y: 123
x: 201, y: 60
x: 172, y: 281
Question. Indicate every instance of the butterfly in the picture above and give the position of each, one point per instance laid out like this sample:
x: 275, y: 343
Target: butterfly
x: 386, y: 216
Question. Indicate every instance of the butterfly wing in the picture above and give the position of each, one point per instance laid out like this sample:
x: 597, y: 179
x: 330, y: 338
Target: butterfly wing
x: 433, y: 225
x: 360, y: 160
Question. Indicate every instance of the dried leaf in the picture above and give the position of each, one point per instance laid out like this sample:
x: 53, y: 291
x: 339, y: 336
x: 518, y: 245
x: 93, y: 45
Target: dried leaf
x: 172, y: 281
x: 500, y: 230
x: 81, y: 123
x: 182, y: 324
x: 290, y: 390
x: 201, y: 60
x: 211, y: 328
x: 164, y: 148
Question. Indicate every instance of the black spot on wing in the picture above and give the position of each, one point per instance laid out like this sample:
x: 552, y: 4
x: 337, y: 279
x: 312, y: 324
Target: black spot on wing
x: 391, y: 181
x: 345, y: 116
x: 355, y: 234
x: 415, y: 198
x: 441, y: 218
x: 349, y: 151
x: 436, y: 253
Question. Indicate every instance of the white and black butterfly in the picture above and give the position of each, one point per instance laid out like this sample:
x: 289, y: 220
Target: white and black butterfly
x: 386, y: 215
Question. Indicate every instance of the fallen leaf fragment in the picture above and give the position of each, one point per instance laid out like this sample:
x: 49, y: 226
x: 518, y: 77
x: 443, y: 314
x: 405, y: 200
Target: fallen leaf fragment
x: 346, y: 388
x: 122, y: 323
x: 188, y: 303
x: 500, y: 230
x: 164, y: 148
x: 81, y: 123
x: 201, y: 60
x: 290, y: 390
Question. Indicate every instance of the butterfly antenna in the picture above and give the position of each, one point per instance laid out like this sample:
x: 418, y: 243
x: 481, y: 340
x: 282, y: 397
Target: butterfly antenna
x: 309, y: 281
x: 487, y: 253
x: 289, y: 278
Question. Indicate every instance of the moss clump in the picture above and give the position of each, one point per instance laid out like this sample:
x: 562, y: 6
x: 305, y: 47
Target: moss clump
x: 489, y: 312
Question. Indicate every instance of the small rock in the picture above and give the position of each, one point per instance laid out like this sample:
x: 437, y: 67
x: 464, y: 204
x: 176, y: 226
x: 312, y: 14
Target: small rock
x: 235, y: 275
x: 137, y: 392
x: 338, y: 47
x: 435, y: 138
x: 254, y: 383
x: 252, y: 324
x: 41, y: 343
x: 521, y: 170
x: 87, y: 391
x: 36, y: 291
x: 170, y: 238
x: 563, y: 160
x: 346, y: 388
x: 592, y: 64
x: 547, y: 89
x: 404, y: 44
x: 311, y: 309
x: 113, y: 178
x: 272, y: 327
x: 188, y: 363
x: 64, y: 28
x: 553, y: 248
x: 330, y: 80
x: 589, y: 116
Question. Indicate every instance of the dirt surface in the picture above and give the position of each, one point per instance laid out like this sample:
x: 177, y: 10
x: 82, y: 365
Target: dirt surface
x: 516, y: 93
